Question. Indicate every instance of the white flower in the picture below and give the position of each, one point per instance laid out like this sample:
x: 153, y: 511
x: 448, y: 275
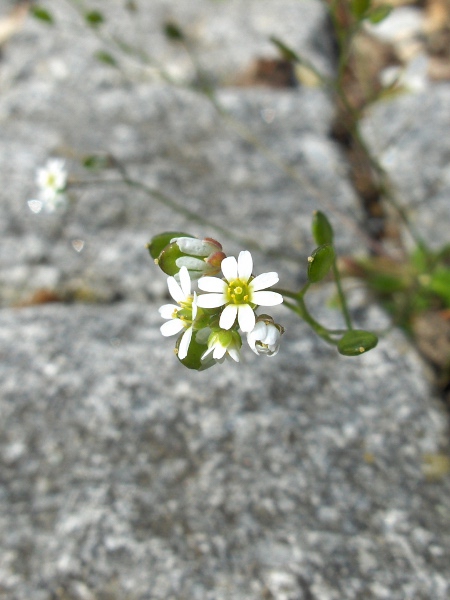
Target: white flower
x: 265, y: 337
x: 222, y: 343
x: 182, y: 315
x: 240, y: 293
x: 51, y: 181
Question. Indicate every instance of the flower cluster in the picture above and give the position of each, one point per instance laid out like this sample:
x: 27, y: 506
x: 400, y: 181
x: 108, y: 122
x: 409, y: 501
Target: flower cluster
x: 210, y: 324
x: 51, y: 182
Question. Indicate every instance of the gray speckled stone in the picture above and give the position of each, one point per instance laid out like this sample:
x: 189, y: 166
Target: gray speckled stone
x: 127, y: 476
x: 408, y: 136
x: 56, y: 100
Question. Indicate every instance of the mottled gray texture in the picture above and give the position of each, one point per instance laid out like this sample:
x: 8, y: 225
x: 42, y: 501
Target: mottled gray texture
x: 127, y: 476
x: 408, y: 134
x: 57, y: 101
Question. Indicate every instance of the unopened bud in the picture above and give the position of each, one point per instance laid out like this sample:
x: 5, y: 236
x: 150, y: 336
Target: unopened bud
x: 266, y: 336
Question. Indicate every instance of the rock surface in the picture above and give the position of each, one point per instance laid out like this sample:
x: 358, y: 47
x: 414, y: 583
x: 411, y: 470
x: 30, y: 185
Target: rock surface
x: 126, y: 476
x: 303, y: 477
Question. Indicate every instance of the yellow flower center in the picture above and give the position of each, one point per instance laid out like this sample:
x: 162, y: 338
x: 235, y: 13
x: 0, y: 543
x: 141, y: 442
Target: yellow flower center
x: 238, y: 292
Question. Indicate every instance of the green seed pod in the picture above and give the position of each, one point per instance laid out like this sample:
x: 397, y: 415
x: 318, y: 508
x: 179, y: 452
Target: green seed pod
x: 321, y: 228
x: 194, y: 355
x: 167, y: 260
x: 159, y: 242
x: 320, y: 262
x: 356, y: 342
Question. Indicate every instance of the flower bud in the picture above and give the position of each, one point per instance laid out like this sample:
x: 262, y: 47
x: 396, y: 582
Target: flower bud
x: 201, y: 257
x: 266, y: 336
x: 172, y: 251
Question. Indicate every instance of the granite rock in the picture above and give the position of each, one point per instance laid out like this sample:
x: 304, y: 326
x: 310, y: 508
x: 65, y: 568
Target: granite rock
x: 128, y: 476
x: 406, y: 134
x: 169, y: 138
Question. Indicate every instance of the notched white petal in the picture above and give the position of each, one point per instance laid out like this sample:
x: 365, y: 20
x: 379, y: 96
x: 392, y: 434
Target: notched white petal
x: 211, y: 300
x: 246, y: 317
x: 184, y: 343
x: 245, y: 265
x: 228, y: 316
x: 171, y: 327
x: 267, y: 298
x: 175, y: 290
x: 185, y: 282
x: 166, y: 310
x: 212, y: 284
x: 263, y: 281
x: 229, y: 268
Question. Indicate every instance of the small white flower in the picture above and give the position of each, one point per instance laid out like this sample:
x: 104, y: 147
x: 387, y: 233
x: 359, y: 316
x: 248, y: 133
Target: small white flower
x: 240, y: 293
x: 265, y: 337
x: 51, y: 181
x: 222, y: 343
x: 180, y: 316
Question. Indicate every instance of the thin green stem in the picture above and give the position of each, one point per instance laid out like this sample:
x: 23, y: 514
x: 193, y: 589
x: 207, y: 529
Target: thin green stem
x: 342, y: 298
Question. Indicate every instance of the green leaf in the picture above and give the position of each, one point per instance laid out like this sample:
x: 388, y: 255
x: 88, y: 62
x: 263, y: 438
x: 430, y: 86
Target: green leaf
x: 106, y: 57
x: 173, y: 31
x: 42, y: 14
x: 379, y: 13
x: 286, y: 52
x: 356, y: 342
x: 320, y: 262
x: 321, y: 228
x: 440, y: 284
x: 359, y: 8
x: 96, y: 162
x: 94, y: 18
x: 160, y: 241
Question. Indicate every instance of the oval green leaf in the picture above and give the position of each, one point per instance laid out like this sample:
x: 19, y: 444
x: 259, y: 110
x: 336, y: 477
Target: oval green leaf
x: 42, y: 14
x: 320, y: 262
x: 321, y: 228
x: 379, y: 13
x: 356, y: 342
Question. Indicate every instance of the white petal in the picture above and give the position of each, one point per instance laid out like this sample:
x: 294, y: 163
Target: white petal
x: 234, y: 354
x: 171, y: 327
x: 194, y: 306
x: 185, y: 281
x: 219, y: 351
x: 246, y: 317
x: 207, y: 352
x: 166, y: 310
x: 184, y: 343
x: 211, y: 300
x: 212, y: 284
x: 245, y: 265
x: 191, y: 263
x: 266, y: 298
x: 175, y: 291
x: 257, y: 333
x: 228, y: 316
x: 229, y: 268
x: 263, y: 281
x: 272, y: 336
x: 192, y: 246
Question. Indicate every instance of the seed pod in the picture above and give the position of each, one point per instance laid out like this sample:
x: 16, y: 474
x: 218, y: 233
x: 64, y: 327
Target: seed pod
x: 319, y: 263
x: 321, y: 228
